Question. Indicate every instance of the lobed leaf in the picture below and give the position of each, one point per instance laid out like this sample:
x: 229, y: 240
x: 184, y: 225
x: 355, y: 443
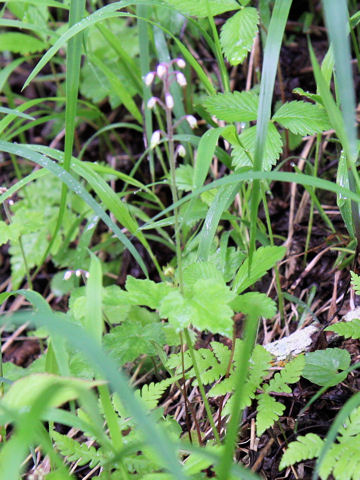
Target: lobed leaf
x: 324, y: 367
x: 346, y: 329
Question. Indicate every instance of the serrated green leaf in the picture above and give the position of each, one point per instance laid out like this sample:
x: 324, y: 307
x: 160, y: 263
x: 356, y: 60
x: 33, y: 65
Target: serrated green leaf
x: 138, y: 334
x: 324, y: 367
x: 202, y: 8
x: 264, y: 258
x: 233, y: 107
x: 184, y: 177
x: 242, y: 156
x: 20, y: 43
x: 302, y: 118
x: 258, y: 304
x: 146, y: 292
x: 290, y: 374
x: 201, y: 270
x: 238, y: 33
x: 304, y: 448
x: 268, y: 411
x: 346, y: 329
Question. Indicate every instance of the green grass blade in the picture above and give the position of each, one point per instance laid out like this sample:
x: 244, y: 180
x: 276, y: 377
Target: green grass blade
x: 94, y: 319
x: 22, y: 183
x: 299, y: 178
x: 271, y: 57
x: 156, y: 437
x: 76, y: 187
x: 336, y: 17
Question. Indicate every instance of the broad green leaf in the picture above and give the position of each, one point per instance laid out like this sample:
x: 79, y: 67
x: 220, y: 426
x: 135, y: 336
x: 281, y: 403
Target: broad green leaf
x: 203, y: 8
x: 210, y: 303
x: 201, y: 270
x: 184, y: 177
x: 23, y: 392
x: 304, y: 448
x: 268, y: 411
x: 254, y: 303
x: 20, y: 43
x: 243, y: 156
x: 302, y: 118
x: 264, y: 258
x: 146, y: 292
x: 233, y: 107
x: 238, y: 33
x: 137, y: 335
x: 324, y: 367
x: 177, y: 310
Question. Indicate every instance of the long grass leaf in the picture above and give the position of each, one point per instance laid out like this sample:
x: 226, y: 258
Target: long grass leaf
x: 156, y: 437
x: 271, y: 57
x: 76, y: 187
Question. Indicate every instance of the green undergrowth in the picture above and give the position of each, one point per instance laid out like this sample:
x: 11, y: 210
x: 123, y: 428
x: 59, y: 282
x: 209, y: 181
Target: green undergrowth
x: 139, y: 178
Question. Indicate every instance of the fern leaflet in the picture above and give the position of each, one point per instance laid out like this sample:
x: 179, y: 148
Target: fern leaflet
x: 304, y: 448
x: 76, y: 452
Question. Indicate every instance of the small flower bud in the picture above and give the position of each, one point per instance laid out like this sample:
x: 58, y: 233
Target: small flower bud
x: 181, y: 80
x: 181, y: 151
x: 87, y: 274
x: 67, y: 275
x: 149, y: 78
x: 191, y: 121
x: 180, y: 62
x: 161, y: 70
x: 78, y: 273
x: 151, y: 102
x: 169, y: 101
x: 155, y: 139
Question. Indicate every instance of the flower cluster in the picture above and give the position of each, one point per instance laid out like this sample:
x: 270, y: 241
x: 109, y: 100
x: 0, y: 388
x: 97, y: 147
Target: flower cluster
x: 164, y: 73
x: 69, y: 273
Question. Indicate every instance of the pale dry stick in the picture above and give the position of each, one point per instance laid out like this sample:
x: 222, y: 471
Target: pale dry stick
x: 253, y: 445
x: 263, y: 452
x: 332, y: 308
x: 181, y: 413
x: 88, y: 475
x: 304, y: 154
x: 252, y: 58
x: 308, y: 268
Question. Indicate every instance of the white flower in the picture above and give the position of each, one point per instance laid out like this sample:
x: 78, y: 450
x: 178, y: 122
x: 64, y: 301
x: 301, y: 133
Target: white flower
x: 155, y: 139
x: 161, y: 70
x: 181, y: 151
x: 149, y: 78
x: 78, y: 273
x: 181, y: 80
x: 180, y: 62
x: 151, y: 102
x: 67, y: 274
x: 191, y: 121
x: 87, y: 274
x: 169, y: 100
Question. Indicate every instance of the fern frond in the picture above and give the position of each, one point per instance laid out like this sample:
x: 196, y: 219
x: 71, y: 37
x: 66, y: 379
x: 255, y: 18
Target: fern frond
x: 269, y: 410
x: 76, y: 452
x: 346, y: 329
x: 290, y: 374
x: 355, y: 282
x: 151, y: 393
x: 304, y: 448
